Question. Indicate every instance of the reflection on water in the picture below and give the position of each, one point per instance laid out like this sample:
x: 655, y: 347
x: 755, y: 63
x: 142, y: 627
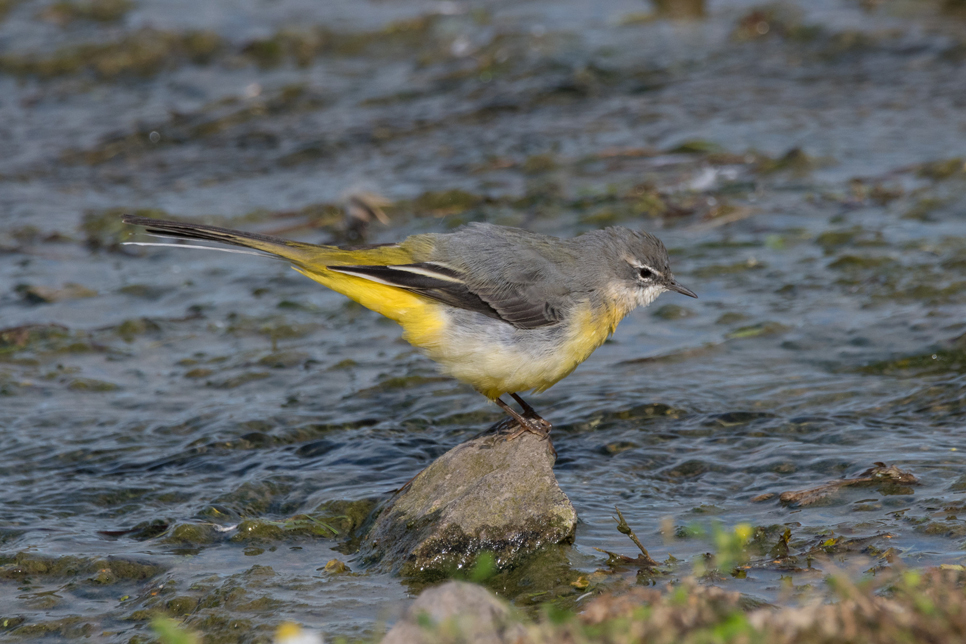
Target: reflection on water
x: 151, y: 400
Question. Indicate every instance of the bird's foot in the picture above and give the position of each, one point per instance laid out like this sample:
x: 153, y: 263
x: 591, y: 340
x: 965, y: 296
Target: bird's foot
x: 532, y: 424
x: 528, y: 423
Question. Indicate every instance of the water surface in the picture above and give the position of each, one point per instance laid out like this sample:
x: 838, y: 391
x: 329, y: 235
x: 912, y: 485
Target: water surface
x: 808, y: 181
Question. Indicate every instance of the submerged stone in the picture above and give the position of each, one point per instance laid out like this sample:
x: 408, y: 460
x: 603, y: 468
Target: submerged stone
x: 466, y: 611
x: 488, y: 494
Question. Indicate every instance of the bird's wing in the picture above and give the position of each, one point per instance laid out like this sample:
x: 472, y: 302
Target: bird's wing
x: 493, y: 296
x: 525, y: 279
x: 529, y: 279
x: 426, y: 278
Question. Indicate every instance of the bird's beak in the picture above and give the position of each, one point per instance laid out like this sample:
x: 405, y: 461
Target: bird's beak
x: 674, y: 286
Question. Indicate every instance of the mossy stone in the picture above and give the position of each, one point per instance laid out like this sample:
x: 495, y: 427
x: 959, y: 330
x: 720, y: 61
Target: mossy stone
x: 486, y: 495
x: 259, y: 531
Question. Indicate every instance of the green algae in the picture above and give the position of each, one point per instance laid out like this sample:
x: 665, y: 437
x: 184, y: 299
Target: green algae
x: 403, y: 382
x: 193, y: 534
x: 644, y: 412
x: 169, y: 631
x: 6, y: 6
x: 696, y: 146
x: 183, y: 128
x: 24, y: 565
x: 145, y: 530
x: 69, y: 628
x: 347, y: 518
x: 947, y: 358
x: 209, y: 121
x: 437, y: 204
x: 924, y: 209
x: 795, y: 161
x: 181, y: 605
x: 832, y: 240
x: 143, y: 291
x: 140, y: 54
x: 731, y: 317
x: 284, y: 359
x: 273, y: 327
x: 128, y: 330
x: 777, y: 20
x: 91, y: 385
x: 680, y: 9
x: 758, y: 330
x: 859, y: 262
x: 149, y: 51
x: 336, y: 567
x: 611, y: 449
x: 942, y: 170
x: 647, y: 201
x: 258, y: 531
x: 33, y: 337
x: 236, y: 381
x: 106, y: 11
x: 539, y: 163
x: 301, y: 47
x: 339, y: 520
x: 875, y: 192
x: 672, y: 312
x: 36, y: 294
x: 546, y: 577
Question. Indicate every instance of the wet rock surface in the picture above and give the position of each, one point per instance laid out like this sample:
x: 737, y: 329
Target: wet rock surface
x: 488, y: 494
x: 458, y: 607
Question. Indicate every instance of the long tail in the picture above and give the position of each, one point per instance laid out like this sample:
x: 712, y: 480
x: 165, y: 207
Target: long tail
x: 321, y: 263
x: 303, y: 255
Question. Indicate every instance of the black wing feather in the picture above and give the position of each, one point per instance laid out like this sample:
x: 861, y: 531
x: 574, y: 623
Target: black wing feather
x: 446, y: 288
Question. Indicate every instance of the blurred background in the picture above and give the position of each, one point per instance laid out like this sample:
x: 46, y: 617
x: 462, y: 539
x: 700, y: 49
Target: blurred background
x: 803, y: 161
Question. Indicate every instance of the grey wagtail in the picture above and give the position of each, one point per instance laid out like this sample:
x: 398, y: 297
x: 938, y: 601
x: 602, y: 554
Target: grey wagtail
x: 500, y: 308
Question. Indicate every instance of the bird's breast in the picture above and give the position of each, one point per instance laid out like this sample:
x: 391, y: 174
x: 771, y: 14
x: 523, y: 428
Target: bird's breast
x: 498, y: 358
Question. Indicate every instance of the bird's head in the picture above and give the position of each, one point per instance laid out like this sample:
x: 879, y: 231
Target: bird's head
x: 640, y: 268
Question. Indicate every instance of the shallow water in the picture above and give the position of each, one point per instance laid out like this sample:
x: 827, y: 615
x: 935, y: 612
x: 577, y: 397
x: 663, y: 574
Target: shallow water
x: 175, y: 391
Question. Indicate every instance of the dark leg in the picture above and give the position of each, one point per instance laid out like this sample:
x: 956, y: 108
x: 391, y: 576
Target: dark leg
x: 527, y: 409
x: 530, y: 421
x: 525, y: 425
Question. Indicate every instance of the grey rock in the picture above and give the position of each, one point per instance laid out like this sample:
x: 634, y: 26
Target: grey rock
x: 456, y: 612
x: 485, y: 495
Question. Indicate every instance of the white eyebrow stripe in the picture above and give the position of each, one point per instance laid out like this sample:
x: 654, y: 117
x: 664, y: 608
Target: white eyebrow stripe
x: 640, y: 264
x: 426, y: 273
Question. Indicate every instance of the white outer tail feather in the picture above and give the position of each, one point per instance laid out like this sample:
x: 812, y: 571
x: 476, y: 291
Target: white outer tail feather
x: 224, y: 250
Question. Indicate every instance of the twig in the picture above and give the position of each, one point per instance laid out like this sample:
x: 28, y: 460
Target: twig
x: 623, y: 528
x: 717, y: 222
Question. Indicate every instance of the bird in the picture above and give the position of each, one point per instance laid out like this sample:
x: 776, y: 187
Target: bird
x: 506, y: 310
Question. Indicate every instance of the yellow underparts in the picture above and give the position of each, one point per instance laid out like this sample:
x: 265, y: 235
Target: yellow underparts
x: 493, y: 368
x: 420, y: 317
x: 591, y: 329
x: 588, y: 331
x: 536, y: 360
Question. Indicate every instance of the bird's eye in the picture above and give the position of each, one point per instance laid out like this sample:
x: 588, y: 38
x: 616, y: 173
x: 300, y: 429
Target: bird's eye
x: 646, y: 273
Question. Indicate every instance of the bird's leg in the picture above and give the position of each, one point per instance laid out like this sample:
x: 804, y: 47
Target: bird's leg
x: 527, y: 409
x: 530, y: 421
x: 523, y: 422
